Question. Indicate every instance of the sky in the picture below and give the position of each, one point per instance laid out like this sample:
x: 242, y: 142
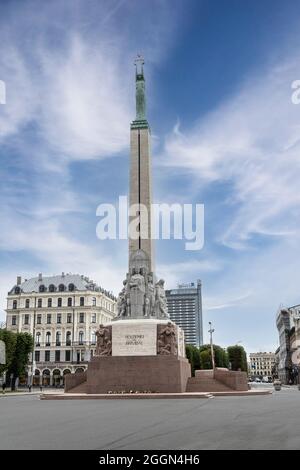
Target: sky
x: 225, y: 133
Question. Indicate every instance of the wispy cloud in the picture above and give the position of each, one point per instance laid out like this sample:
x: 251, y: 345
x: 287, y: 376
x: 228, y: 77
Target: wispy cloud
x: 252, y: 142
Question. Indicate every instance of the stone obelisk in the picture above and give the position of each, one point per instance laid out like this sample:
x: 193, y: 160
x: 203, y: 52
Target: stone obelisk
x: 140, y: 197
x: 142, y: 295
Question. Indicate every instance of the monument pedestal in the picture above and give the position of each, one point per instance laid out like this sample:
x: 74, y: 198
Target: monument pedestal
x: 137, y: 373
x: 135, y: 355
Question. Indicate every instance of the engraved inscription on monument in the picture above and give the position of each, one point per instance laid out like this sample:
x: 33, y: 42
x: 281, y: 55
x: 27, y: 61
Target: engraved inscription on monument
x: 134, y: 339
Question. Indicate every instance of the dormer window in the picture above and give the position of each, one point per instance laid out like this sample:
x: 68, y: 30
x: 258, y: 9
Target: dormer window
x: 52, y: 288
x: 17, y: 290
x: 71, y: 287
x: 42, y: 288
x: 61, y: 287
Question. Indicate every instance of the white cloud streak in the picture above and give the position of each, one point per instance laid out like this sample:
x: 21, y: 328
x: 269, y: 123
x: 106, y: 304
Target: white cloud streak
x: 252, y: 141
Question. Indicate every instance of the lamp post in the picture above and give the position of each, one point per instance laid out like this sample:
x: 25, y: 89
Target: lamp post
x: 210, y: 331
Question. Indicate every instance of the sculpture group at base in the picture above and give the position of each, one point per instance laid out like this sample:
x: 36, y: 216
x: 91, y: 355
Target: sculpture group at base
x: 104, y: 343
x: 141, y: 296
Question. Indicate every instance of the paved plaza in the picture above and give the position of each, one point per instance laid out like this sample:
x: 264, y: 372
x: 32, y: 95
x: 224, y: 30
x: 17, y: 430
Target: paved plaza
x: 262, y: 422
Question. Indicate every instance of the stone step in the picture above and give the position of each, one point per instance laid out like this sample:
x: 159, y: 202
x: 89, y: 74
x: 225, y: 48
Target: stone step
x: 81, y: 388
x: 196, y: 384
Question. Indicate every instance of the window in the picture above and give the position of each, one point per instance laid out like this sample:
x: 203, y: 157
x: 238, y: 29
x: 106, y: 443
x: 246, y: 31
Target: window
x: 81, y: 301
x: 37, y: 356
x: 81, y: 318
x: 39, y: 303
x: 49, y: 302
x: 39, y: 319
x: 17, y: 290
x: 38, y: 338
x: 94, y: 301
x: 14, y: 320
x: 61, y: 288
x: 57, y: 356
x: 71, y: 287
x: 58, y: 337
x: 47, y: 356
x: 48, y: 338
x: 49, y: 318
x: 69, y: 318
x: 26, y: 319
x: 93, y: 318
x: 42, y: 288
x: 68, y: 355
x: 59, y: 302
x: 51, y: 288
x: 68, y: 338
x: 70, y: 302
x: 14, y: 304
x: 58, y: 318
x: 80, y: 337
x: 27, y: 302
x: 93, y: 337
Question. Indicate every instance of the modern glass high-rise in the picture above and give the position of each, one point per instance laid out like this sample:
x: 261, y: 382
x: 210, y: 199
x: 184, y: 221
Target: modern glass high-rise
x: 185, y: 309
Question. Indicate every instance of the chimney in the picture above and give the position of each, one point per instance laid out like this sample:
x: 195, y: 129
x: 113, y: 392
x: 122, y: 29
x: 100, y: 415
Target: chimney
x: 62, y: 274
x: 40, y: 277
x: 19, y: 280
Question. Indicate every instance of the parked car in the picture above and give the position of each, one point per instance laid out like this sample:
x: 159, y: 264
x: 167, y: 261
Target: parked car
x: 257, y: 380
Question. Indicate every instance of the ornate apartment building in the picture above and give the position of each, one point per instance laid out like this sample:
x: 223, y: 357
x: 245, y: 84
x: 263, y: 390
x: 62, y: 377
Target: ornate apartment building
x: 62, y: 313
x: 262, y: 364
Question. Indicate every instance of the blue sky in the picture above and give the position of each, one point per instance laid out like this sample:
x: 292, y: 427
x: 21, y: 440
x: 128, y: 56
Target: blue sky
x: 225, y: 134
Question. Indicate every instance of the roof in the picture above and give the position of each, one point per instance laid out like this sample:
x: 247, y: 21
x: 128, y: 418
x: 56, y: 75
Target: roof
x: 80, y: 283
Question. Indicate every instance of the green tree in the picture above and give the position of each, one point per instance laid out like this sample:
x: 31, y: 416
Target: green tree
x: 220, y: 355
x: 238, y: 358
x: 205, y: 357
x: 193, y: 355
x: 23, y: 347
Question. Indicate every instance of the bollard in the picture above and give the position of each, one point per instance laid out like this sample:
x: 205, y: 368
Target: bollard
x: 277, y: 385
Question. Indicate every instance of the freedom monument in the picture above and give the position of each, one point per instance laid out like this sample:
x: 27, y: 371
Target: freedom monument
x: 141, y: 350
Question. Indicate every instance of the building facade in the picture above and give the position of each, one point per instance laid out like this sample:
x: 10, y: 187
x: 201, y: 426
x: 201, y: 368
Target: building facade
x: 185, y: 309
x: 262, y: 364
x: 62, y: 313
x: 288, y: 325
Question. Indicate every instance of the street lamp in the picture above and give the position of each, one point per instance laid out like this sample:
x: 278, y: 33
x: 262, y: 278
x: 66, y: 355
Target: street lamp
x: 210, y: 331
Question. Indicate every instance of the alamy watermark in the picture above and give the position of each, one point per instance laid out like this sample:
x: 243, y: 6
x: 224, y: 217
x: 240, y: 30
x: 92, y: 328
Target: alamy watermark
x: 168, y: 221
x: 2, y: 92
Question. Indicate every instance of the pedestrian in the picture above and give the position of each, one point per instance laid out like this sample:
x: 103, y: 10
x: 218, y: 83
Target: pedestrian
x: 29, y: 387
x: 3, y: 387
x: 41, y: 388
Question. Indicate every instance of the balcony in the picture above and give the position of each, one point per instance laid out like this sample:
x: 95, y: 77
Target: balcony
x: 64, y: 344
